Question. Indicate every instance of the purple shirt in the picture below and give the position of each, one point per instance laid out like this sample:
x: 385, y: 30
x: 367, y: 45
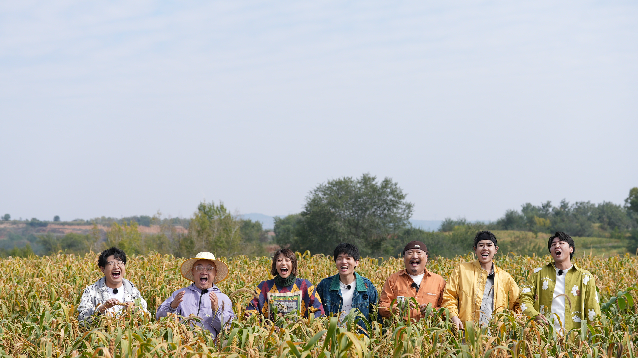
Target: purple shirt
x: 198, y: 304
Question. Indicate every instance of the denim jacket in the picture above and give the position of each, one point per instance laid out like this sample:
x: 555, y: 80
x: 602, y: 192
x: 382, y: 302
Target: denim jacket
x: 365, y: 297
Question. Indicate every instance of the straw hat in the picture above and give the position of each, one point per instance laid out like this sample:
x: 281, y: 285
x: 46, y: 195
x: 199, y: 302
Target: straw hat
x: 220, y: 267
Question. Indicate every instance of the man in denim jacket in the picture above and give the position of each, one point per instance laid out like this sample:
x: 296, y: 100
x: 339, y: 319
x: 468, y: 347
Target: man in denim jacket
x: 347, y: 290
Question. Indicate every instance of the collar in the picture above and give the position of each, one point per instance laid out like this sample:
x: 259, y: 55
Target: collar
x: 194, y: 288
x: 477, y: 264
x: 405, y: 272
x: 360, y: 285
x: 574, y: 267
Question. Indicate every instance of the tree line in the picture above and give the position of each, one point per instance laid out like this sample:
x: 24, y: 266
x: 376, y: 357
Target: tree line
x: 374, y: 215
x: 212, y: 226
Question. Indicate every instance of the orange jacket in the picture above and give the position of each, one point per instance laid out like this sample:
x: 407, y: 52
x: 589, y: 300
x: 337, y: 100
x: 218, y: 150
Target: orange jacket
x: 399, y: 284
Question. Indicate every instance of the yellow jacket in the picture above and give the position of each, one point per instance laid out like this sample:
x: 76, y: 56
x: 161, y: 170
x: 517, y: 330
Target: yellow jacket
x: 464, y: 291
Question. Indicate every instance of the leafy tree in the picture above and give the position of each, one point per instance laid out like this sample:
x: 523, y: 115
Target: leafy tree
x: 286, y: 230
x: 252, y: 231
x: 612, y: 216
x: 361, y: 211
x: 513, y: 220
x: 575, y: 219
x: 36, y: 223
x: 632, y: 244
x: 50, y: 244
x: 448, y: 224
x: 631, y: 203
x: 56, y: 218
x: 125, y: 237
x: 6, y: 217
x: 213, y: 228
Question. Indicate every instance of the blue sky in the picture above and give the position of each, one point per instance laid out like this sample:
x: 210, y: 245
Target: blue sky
x: 119, y: 108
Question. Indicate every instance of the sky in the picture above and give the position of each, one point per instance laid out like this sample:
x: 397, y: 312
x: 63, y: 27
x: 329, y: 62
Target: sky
x: 119, y: 108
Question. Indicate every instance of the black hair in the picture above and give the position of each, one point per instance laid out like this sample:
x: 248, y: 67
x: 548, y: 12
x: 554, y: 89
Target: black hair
x: 117, y: 254
x: 565, y: 238
x: 484, y: 235
x: 348, y: 249
x: 286, y: 253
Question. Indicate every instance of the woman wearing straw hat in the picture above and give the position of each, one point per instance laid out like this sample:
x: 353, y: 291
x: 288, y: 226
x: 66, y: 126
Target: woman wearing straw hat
x: 203, y: 298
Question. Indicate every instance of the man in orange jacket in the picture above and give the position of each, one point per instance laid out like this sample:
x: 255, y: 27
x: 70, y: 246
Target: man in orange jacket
x: 414, y: 281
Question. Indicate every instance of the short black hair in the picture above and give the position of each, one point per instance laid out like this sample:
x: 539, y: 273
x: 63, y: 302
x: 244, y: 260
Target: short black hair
x: 565, y: 238
x: 348, y: 249
x: 117, y: 254
x: 484, y: 235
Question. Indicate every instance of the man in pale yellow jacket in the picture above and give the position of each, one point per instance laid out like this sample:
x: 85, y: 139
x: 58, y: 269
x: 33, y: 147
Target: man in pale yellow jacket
x: 477, y: 289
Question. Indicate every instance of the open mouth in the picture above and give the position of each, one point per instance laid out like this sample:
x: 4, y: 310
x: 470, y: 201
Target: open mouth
x: 283, y: 270
x: 557, y: 253
x: 415, y: 262
x: 116, y: 274
x: 203, y: 279
x: 485, y: 255
x: 344, y: 268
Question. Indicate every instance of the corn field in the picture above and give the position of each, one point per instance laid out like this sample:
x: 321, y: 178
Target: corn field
x: 39, y: 298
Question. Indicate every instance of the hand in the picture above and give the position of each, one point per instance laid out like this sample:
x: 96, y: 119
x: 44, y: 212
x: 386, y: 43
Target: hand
x: 108, y: 304
x: 423, y: 309
x: 542, y: 320
x: 213, y: 301
x: 457, y: 322
x: 177, y: 300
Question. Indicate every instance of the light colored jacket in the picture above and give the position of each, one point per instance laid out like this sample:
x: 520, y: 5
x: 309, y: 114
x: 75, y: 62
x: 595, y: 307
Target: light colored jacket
x: 97, y: 293
x: 198, y: 304
x: 581, y: 301
x: 464, y: 291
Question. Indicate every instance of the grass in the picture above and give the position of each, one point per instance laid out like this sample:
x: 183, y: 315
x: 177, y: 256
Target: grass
x: 39, y: 297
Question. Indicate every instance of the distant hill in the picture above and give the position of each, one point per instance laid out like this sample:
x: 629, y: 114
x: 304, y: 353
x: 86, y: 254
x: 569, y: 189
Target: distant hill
x: 268, y: 222
x: 428, y: 225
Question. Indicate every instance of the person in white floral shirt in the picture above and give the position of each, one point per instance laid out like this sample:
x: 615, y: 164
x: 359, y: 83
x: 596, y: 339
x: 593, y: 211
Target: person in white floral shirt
x: 111, y: 293
x: 560, y: 293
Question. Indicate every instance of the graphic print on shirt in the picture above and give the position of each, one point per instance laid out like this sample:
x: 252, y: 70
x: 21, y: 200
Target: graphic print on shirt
x: 284, y: 302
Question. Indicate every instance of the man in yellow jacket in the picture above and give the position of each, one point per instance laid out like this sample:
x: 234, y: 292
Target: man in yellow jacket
x: 477, y: 289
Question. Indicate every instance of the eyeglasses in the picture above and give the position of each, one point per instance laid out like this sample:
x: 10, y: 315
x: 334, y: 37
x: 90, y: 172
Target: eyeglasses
x: 116, y: 262
x: 200, y: 268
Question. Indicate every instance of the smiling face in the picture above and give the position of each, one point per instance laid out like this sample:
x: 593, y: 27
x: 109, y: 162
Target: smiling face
x: 485, y: 251
x: 415, y: 261
x: 346, y: 264
x: 560, y: 250
x: 204, y: 274
x: 284, y: 266
x: 113, y: 271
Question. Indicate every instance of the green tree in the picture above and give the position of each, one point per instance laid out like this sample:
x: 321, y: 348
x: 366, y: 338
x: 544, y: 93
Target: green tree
x: 612, y: 216
x: 449, y: 224
x: 56, y: 218
x: 361, y: 211
x: 6, y: 217
x: 252, y: 231
x: 631, y: 203
x: 125, y: 237
x: 50, y: 244
x: 213, y: 228
x: 286, y: 230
